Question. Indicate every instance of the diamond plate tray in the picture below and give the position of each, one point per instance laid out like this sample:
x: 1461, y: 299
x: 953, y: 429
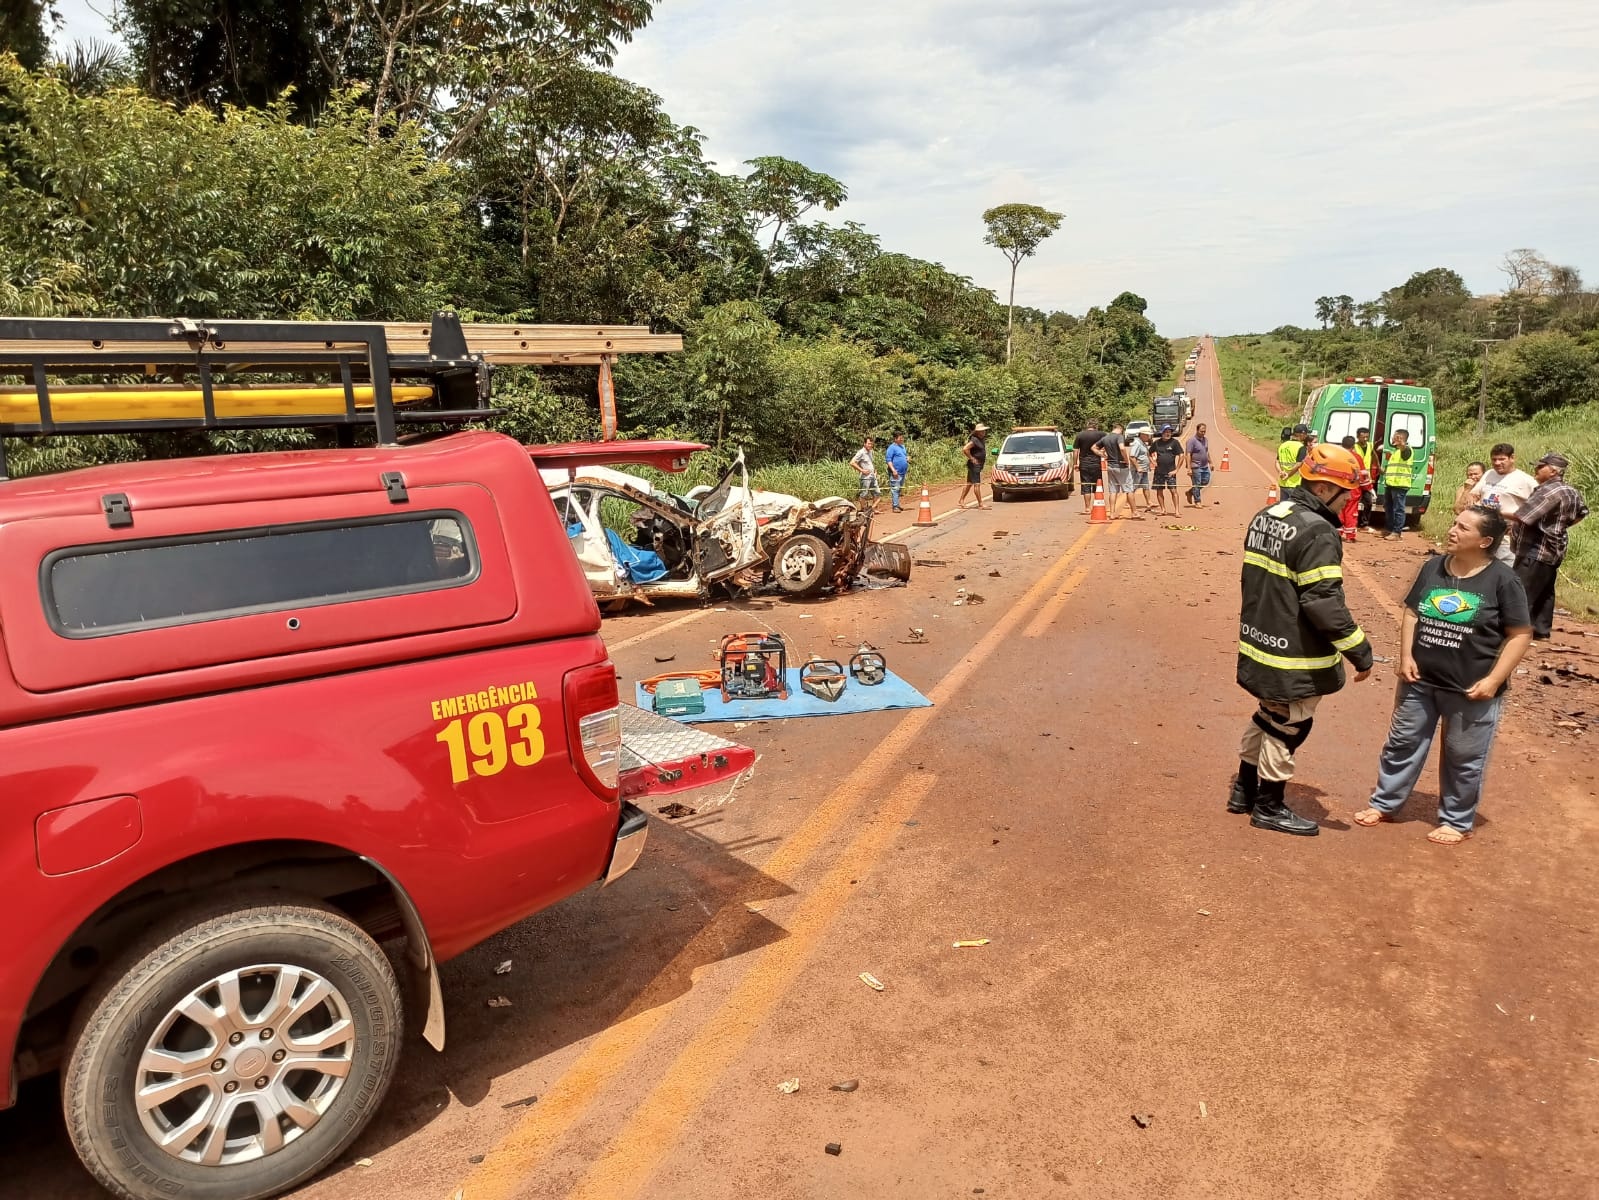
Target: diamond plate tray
x: 661, y: 756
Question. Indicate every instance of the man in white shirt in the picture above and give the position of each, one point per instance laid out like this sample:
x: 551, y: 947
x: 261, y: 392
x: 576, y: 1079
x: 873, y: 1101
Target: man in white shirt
x: 1506, y: 489
x: 867, y: 470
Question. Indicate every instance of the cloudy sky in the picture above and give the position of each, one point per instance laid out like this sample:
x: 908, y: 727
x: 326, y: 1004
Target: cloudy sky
x: 1229, y: 160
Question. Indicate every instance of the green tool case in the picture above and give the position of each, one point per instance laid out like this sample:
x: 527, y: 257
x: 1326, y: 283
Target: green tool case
x: 679, y: 697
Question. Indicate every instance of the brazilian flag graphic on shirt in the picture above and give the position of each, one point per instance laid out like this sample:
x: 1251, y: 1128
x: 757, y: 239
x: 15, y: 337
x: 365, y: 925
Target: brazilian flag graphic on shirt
x: 1450, y: 604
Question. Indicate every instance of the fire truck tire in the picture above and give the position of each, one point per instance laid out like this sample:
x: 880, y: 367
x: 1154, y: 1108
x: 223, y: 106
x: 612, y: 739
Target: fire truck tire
x: 232, y: 1053
x: 803, y: 565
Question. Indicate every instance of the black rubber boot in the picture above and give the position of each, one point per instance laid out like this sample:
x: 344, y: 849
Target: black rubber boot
x: 1271, y: 813
x: 1245, y: 788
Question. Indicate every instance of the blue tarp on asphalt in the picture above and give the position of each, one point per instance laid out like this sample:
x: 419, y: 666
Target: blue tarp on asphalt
x: 893, y: 692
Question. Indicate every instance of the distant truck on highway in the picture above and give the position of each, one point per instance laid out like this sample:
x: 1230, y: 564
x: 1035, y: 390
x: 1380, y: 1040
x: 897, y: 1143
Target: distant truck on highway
x: 1167, y: 410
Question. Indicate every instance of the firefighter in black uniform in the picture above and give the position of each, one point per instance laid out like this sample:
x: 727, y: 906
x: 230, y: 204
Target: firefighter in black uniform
x: 1294, y: 632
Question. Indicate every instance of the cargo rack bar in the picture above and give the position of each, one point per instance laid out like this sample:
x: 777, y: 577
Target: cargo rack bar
x: 457, y: 360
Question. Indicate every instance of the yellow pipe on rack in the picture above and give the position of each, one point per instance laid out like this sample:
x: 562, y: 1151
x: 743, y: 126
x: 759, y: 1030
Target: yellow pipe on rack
x: 70, y: 405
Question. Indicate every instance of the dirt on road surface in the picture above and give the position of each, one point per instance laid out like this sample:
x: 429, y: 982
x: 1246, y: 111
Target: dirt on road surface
x: 1165, y: 1001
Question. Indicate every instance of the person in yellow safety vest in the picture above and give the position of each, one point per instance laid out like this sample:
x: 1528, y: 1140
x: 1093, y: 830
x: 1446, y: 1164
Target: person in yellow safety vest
x: 1294, y: 632
x: 1368, y: 491
x: 1291, y: 453
x: 1398, y: 473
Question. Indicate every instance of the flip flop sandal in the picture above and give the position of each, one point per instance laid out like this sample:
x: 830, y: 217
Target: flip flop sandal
x: 1446, y: 835
x: 1372, y: 816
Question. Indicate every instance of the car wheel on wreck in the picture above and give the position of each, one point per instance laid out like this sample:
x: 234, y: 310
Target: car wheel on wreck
x: 803, y: 565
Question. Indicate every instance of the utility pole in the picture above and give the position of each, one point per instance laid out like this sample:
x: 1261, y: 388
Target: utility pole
x: 1301, y: 387
x: 1482, y: 394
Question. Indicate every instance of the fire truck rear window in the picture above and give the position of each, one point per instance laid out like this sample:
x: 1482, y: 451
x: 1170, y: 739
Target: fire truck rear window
x: 115, y: 589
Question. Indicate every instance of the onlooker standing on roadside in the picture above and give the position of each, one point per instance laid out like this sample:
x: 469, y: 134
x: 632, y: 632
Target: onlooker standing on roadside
x: 1398, y: 473
x: 899, y: 463
x: 1366, y: 453
x: 1198, y: 465
x: 975, y: 452
x: 1466, y: 628
x: 1169, y: 458
x: 1506, y: 487
x: 863, y: 465
x: 1541, y: 524
x: 1138, y: 452
x: 1117, y: 469
x: 1465, y: 494
x: 1089, y: 462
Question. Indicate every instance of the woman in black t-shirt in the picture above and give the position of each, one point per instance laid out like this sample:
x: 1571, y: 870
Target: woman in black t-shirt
x: 1466, y: 627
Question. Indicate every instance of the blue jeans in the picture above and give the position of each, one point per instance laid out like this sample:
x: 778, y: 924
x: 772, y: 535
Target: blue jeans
x: 869, y: 486
x: 1469, y: 727
x: 1394, y: 500
x: 895, y: 482
x: 1201, y: 480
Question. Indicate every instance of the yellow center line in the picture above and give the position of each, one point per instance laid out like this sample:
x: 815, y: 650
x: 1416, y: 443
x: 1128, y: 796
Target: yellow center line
x: 636, y: 1152
x: 1046, y: 615
x: 529, y: 1141
x: 633, y: 1156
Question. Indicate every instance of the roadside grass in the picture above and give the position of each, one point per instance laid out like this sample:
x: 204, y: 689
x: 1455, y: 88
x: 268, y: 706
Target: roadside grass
x: 1262, y: 358
x: 1573, y: 432
x: 930, y: 463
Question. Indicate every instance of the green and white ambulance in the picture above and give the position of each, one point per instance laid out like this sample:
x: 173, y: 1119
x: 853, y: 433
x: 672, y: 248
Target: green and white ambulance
x: 1339, y: 410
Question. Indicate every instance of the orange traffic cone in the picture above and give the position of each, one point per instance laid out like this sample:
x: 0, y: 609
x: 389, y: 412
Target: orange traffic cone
x: 1097, y: 515
x: 1272, y: 495
x: 1225, y: 465
x: 924, y: 510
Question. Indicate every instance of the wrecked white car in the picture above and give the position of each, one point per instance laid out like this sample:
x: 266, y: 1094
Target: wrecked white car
x: 637, y: 541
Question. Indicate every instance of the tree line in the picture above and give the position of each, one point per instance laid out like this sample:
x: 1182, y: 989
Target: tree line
x: 1532, y: 347
x: 380, y: 159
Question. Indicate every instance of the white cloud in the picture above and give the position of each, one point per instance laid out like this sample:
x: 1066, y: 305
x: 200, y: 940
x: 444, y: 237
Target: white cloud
x: 1228, y: 160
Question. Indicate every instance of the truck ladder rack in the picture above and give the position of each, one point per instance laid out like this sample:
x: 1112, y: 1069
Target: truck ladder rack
x: 360, y: 366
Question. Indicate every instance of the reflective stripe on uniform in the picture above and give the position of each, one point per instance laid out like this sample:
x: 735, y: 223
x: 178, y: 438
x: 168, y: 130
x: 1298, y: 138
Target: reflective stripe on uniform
x: 1317, y: 574
x: 1350, y: 642
x: 1281, y: 663
x: 1253, y: 558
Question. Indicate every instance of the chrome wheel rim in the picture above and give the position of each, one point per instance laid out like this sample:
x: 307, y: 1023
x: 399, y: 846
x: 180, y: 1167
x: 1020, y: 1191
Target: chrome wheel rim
x: 799, y: 562
x: 245, y: 1065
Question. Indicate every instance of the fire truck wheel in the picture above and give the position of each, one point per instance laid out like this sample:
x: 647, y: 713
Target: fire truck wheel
x: 804, y: 564
x: 232, y: 1053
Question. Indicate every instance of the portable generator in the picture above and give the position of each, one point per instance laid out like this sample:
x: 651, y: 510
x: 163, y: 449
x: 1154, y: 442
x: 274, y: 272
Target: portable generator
x: 754, y: 667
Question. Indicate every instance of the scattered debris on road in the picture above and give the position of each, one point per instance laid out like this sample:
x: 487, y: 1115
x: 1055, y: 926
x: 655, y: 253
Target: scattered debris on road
x: 993, y: 574
x: 675, y: 810
x: 970, y: 942
x: 504, y: 968
x: 1142, y: 1120
x: 931, y: 562
x: 848, y: 1085
x: 363, y: 1162
x: 974, y: 598
x: 788, y: 1087
x: 524, y: 1102
x: 499, y: 1002
x: 1202, y: 1110
x: 665, y: 658
x: 834, y: 1149
x: 871, y: 981
x: 1204, y: 912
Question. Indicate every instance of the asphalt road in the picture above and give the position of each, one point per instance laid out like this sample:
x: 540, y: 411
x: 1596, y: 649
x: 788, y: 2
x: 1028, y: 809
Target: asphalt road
x: 1359, y: 1014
